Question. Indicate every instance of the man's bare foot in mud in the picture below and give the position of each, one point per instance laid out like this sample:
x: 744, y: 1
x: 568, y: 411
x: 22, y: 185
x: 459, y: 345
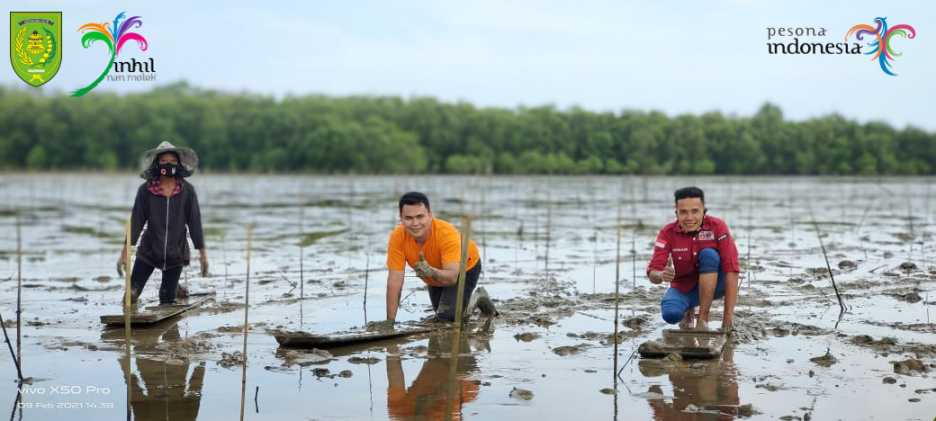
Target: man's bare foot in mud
x: 728, y: 323
x: 688, y: 318
x: 701, y: 324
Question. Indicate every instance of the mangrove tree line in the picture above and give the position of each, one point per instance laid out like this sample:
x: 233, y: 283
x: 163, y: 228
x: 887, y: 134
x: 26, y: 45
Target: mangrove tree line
x: 365, y: 134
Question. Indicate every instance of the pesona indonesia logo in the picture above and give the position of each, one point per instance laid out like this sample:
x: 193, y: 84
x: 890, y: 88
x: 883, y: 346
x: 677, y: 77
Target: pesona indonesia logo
x: 882, y: 41
x: 806, y: 47
x: 34, y: 45
x: 115, y: 37
x: 879, y: 41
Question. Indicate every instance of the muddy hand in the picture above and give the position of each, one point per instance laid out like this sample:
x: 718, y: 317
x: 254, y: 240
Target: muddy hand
x: 381, y: 326
x: 422, y: 268
x: 121, y: 267
x: 669, y: 273
x: 204, y: 267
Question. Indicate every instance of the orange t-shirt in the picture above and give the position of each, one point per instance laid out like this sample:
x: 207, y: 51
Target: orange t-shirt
x: 443, y: 246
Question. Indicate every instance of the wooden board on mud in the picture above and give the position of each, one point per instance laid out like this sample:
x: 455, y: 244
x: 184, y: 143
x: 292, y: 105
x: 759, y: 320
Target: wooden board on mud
x: 699, y: 344
x: 154, y: 314
x: 308, y: 340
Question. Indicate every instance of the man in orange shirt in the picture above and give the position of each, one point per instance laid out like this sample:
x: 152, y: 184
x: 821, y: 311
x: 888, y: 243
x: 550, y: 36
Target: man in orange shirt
x: 432, y: 247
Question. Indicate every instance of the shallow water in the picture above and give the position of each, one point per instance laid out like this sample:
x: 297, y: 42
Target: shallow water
x: 548, y: 248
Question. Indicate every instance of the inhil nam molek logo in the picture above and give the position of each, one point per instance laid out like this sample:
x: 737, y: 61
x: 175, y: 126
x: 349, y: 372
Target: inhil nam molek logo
x: 882, y: 44
x: 114, y: 36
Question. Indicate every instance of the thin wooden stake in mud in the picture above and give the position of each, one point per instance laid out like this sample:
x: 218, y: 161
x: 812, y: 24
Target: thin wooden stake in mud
x: 127, y: 310
x: 617, y: 296
x: 459, y: 313
x: 548, y: 230
x: 19, y: 292
x: 224, y: 258
x: 842, y: 307
x: 638, y: 224
x: 301, y: 240
x: 246, y: 313
x: 747, y: 262
x: 6, y: 339
x: 366, y: 278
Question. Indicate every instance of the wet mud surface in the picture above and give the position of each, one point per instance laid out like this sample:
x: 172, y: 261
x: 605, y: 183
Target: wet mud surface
x: 548, y: 248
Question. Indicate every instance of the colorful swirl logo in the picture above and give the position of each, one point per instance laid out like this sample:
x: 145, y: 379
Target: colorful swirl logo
x: 115, y: 37
x: 882, y: 45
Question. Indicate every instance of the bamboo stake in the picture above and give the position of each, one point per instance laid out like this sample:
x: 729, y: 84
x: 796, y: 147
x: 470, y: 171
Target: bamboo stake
x: 246, y: 314
x: 459, y: 310
x: 548, y: 229
x: 617, y: 296
x: 926, y: 207
x: 127, y: 310
x: 224, y: 257
x: 6, y: 338
x: 366, y: 278
x: 828, y: 265
x: 633, y: 197
x: 301, y: 248
x: 747, y: 262
x: 19, y: 293
x: 367, y: 266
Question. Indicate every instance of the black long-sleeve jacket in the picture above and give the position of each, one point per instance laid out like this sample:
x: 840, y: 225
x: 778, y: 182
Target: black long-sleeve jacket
x: 164, y: 245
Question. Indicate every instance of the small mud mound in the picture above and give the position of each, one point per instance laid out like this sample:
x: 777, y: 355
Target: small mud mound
x: 909, y: 297
x: 563, y: 351
x: 521, y: 394
x: 910, y: 367
x: 651, y: 347
x: 826, y: 360
x: 908, y: 266
x: 882, y: 345
x: 886, y: 345
x: 232, y: 360
x: 847, y: 265
x: 637, y: 323
x: 526, y: 336
x: 304, y: 358
x: 360, y: 360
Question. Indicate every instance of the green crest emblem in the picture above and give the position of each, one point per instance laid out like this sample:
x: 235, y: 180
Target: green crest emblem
x: 35, y: 45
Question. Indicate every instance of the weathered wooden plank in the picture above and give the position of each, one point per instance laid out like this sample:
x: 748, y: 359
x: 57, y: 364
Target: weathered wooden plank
x: 154, y: 314
x: 308, y: 340
x: 702, y: 344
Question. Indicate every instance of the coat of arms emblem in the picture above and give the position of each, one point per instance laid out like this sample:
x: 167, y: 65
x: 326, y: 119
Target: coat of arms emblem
x: 35, y: 45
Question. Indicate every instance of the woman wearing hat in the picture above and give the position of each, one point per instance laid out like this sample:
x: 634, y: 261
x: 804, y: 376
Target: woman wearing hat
x: 165, y: 204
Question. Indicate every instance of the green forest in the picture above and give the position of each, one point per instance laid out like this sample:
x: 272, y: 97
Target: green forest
x: 380, y: 135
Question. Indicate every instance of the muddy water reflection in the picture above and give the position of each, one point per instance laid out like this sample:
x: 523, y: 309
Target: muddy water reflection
x: 162, y: 386
x: 701, y: 390
x: 426, y: 397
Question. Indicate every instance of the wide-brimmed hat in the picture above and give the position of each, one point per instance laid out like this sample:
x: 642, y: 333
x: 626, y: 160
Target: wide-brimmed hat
x: 188, y: 160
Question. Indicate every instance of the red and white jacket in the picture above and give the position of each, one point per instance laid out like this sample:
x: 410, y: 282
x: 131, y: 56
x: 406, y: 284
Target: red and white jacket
x: 685, y: 248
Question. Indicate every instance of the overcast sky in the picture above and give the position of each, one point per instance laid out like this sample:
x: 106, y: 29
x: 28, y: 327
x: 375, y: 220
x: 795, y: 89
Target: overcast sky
x: 677, y: 57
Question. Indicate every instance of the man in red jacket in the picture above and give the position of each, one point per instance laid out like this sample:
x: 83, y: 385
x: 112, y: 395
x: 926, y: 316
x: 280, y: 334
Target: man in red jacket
x: 697, y: 256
